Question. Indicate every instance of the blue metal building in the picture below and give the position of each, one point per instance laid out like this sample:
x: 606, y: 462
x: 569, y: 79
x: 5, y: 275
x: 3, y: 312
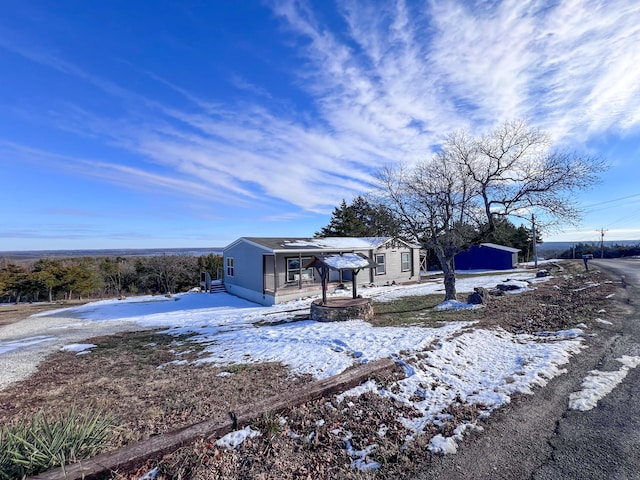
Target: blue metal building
x: 487, y: 256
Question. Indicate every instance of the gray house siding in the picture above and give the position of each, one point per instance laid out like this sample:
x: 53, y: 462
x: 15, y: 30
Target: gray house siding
x: 246, y: 258
x: 397, y: 270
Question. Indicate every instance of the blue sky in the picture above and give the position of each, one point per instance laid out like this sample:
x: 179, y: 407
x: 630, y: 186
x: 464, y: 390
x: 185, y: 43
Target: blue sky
x: 189, y: 124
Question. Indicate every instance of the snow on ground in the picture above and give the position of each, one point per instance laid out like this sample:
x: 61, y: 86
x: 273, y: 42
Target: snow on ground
x: 444, y: 365
x: 604, y: 322
x: 78, y: 348
x: 233, y: 439
x: 599, y: 384
x: 476, y: 367
x: 456, y: 305
x: 10, y: 345
x: 307, y: 347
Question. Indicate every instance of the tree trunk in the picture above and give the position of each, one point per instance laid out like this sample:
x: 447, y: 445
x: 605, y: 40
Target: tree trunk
x: 50, y: 295
x: 449, y: 271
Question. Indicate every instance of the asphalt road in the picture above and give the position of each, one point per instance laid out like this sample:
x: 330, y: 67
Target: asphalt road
x: 536, y: 437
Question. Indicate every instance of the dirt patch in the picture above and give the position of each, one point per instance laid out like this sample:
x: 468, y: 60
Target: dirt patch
x: 558, y: 304
x: 311, y: 441
x: 12, y: 313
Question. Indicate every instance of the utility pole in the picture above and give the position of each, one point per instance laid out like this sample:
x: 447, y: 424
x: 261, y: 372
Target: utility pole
x: 535, y: 241
x: 602, y: 230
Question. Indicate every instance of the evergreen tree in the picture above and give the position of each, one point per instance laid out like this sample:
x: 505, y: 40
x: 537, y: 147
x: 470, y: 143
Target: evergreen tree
x: 341, y: 223
x: 210, y: 263
x: 13, y: 280
x: 47, y: 275
x: 507, y: 234
x: 360, y: 219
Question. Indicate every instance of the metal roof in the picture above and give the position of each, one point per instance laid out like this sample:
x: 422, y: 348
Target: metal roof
x: 335, y: 244
x: 500, y: 247
x: 316, y: 244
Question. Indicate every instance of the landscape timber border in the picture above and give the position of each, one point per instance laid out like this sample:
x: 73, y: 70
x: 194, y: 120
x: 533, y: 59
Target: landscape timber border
x: 134, y: 455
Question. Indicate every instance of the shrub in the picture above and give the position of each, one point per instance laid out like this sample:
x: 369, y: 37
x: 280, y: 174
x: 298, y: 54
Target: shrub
x: 35, y: 446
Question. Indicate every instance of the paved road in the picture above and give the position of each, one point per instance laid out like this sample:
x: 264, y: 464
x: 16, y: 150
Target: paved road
x: 538, y: 438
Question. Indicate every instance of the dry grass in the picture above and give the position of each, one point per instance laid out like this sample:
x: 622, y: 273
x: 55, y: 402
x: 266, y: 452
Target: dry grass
x: 555, y: 305
x: 122, y: 376
x: 417, y: 311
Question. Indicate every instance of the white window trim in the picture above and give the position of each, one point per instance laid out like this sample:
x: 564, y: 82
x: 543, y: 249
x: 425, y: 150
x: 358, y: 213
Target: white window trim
x: 383, y: 264
x: 307, y: 273
x: 402, y: 254
x: 230, y: 267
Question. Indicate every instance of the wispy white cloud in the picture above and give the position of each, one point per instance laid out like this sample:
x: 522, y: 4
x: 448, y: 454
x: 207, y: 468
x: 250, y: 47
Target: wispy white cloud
x: 68, y: 232
x: 242, y: 83
x: 572, y: 66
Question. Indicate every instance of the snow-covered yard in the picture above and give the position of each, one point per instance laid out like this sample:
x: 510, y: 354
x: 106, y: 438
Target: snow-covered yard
x: 455, y: 362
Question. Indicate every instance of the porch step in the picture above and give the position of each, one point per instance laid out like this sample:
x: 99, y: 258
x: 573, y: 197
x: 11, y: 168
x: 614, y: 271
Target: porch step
x: 217, y: 288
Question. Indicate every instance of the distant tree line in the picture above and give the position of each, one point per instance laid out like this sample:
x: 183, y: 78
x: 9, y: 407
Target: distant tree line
x: 49, y: 279
x: 608, y: 251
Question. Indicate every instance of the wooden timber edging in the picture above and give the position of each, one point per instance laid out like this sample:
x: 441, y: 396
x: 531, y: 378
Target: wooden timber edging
x: 134, y: 455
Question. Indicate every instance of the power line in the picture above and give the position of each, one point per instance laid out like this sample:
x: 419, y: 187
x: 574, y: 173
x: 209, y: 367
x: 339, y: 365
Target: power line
x: 624, y: 217
x: 611, y: 201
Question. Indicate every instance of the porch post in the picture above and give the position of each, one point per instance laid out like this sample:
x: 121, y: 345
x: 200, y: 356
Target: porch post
x: 325, y: 277
x: 371, y: 269
x: 300, y: 270
x: 275, y: 275
x: 413, y: 263
x: 353, y: 279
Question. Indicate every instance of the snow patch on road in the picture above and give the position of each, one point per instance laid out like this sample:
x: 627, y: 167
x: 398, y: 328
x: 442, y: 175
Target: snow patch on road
x: 598, y: 384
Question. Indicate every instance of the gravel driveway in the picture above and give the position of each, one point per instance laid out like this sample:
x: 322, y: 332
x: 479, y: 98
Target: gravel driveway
x: 25, y: 343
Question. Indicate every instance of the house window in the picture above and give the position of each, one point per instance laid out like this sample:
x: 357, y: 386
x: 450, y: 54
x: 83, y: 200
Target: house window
x: 294, y: 269
x: 230, y: 268
x: 380, y: 268
x: 406, y: 261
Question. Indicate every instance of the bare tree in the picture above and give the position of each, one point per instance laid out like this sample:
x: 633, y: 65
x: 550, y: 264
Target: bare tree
x: 451, y: 201
x: 172, y: 272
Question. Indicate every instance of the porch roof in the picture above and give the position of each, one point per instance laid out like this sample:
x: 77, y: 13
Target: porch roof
x: 345, y: 261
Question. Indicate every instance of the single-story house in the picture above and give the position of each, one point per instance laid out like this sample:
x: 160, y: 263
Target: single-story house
x: 487, y: 256
x: 270, y: 270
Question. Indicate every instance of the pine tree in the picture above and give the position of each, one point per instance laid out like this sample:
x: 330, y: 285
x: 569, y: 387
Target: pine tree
x: 360, y: 219
x: 507, y: 234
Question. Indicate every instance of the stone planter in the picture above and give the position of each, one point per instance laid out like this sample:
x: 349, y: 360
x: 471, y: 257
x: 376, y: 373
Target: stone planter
x: 341, y: 309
